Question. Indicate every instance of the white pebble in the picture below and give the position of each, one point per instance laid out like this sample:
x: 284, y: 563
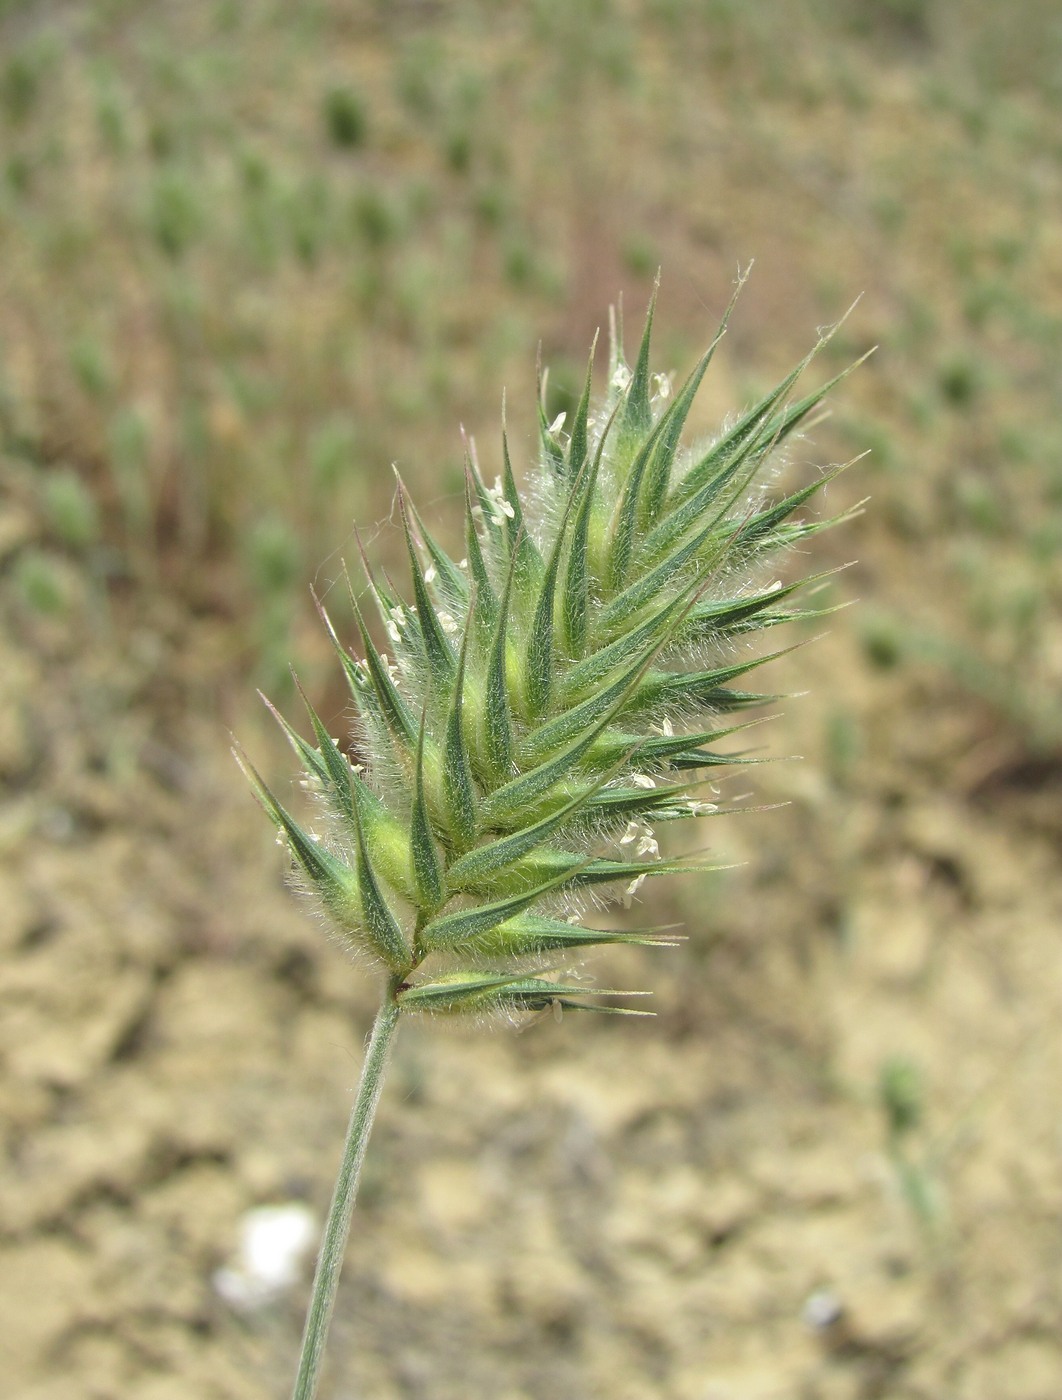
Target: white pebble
x: 274, y: 1241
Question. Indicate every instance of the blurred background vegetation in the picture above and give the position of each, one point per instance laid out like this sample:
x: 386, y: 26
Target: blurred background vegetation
x: 252, y: 254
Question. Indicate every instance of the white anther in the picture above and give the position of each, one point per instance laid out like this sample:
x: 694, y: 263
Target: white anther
x: 501, y: 509
x: 632, y: 889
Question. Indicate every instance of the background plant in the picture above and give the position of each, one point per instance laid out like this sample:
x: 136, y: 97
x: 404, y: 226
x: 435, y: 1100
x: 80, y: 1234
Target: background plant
x: 400, y: 172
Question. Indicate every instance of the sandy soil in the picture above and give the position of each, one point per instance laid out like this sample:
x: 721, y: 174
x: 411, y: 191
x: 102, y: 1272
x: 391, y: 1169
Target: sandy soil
x: 708, y: 1206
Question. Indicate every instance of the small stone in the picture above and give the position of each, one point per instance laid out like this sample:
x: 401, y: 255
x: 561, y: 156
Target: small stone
x: 822, y: 1310
x: 274, y: 1241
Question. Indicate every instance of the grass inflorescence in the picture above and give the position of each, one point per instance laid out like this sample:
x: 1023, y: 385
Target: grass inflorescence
x: 559, y: 691
x: 545, y: 703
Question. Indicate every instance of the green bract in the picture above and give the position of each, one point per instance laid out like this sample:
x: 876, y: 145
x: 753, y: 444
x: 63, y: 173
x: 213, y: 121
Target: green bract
x: 546, y: 701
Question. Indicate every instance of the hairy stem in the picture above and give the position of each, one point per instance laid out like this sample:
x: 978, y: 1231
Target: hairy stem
x: 337, y: 1226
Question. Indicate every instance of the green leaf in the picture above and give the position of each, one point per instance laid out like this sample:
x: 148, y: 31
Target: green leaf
x: 791, y: 533
x: 539, y: 667
x: 723, y: 700
x: 576, y: 595
x: 346, y: 791
x: 646, y: 484
x: 386, y: 599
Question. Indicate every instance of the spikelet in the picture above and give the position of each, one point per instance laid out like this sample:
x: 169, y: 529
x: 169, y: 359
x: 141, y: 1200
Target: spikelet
x: 554, y: 696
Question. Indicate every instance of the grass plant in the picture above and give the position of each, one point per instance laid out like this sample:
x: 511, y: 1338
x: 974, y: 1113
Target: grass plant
x: 541, y: 708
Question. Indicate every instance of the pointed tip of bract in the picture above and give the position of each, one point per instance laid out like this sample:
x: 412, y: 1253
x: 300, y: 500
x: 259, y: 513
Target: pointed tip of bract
x: 638, y: 415
x: 615, y: 342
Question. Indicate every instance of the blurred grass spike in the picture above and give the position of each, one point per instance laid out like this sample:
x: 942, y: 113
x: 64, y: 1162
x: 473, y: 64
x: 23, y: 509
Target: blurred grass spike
x: 540, y: 702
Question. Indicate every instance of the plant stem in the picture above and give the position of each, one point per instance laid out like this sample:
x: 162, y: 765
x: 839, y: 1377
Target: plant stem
x: 337, y: 1226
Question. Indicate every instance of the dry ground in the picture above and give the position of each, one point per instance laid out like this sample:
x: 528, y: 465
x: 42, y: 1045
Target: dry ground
x: 708, y: 1206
